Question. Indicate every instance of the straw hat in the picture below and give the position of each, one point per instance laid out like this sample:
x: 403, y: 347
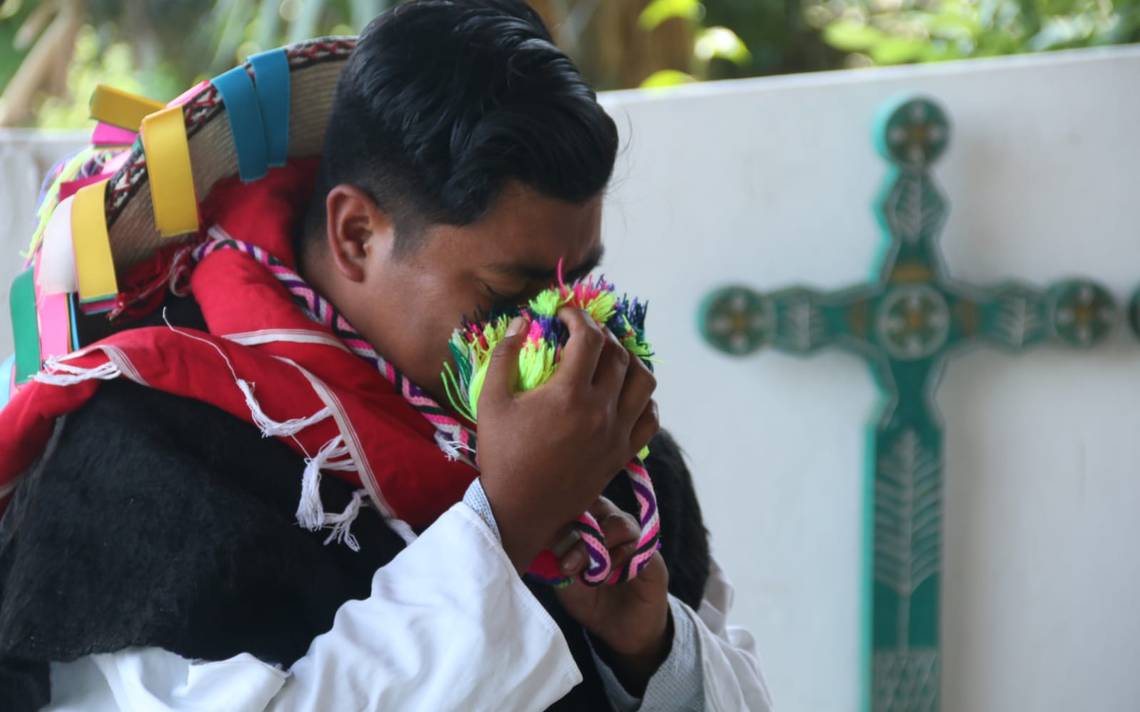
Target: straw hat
x: 136, y: 189
x: 310, y: 83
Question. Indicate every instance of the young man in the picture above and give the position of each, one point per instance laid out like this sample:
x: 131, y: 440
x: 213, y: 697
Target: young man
x: 151, y: 559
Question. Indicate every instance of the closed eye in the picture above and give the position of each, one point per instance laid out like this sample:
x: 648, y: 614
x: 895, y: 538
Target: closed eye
x: 501, y: 299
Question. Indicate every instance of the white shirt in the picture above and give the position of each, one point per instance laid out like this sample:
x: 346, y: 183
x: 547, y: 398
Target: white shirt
x: 449, y: 625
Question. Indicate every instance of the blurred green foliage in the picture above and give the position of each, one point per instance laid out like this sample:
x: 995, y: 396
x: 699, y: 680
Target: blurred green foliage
x: 160, y: 47
x: 93, y: 64
x: 901, y: 31
x: 12, y: 16
x: 710, y: 44
x: 737, y: 38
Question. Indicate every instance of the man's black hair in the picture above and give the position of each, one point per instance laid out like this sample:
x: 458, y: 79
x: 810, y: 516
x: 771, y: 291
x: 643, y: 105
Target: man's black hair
x: 444, y: 101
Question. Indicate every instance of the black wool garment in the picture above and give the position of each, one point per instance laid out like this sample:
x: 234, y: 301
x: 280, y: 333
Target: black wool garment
x: 157, y: 521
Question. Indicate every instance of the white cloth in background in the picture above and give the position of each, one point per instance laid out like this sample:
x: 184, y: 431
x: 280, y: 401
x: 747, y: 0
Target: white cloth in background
x: 26, y: 156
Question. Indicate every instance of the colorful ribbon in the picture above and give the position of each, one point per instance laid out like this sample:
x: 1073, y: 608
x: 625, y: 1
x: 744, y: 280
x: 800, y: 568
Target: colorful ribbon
x: 168, y: 167
x: 243, y: 112
x: 25, y: 326
x: 57, y: 255
x: 53, y: 317
x: 94, y: 265
x: 271, y: 80
x: 7, y: 374
x: 106, y: 135
x: 119, y: 108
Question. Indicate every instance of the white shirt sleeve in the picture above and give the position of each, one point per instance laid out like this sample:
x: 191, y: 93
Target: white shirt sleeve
x: 703, y: 647
x: 449, y: 625
x: 677, y: 686
x: 711, y: 667
x: 732, y: 676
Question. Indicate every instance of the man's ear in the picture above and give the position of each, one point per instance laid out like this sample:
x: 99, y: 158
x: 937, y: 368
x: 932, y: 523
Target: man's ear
x: 356, y: 229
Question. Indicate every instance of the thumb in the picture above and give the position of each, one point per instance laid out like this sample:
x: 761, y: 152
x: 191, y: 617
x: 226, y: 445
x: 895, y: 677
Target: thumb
x: 502, y: 372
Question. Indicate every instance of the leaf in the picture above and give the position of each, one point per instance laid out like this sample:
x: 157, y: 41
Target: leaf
x: 851, y: 36
x: 950, y: 24
x: 940, y: 51
x: 908, y: 515
x: 665, y: 78
x: 659, y: 11
x: 721, y: 43
x: 306, y: 21
x: 228, y: 34
x: 361, y: 12
x: 898, y: 50
x: 268, y: 24
x: 1060, y: 32
x: 10, y: 9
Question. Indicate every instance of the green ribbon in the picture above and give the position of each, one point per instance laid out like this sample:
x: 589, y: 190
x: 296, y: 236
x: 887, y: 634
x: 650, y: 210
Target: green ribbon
x: 25, y: 325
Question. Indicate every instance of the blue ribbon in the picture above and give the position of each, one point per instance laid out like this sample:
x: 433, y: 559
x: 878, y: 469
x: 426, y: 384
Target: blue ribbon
x: 244, y: 113
x: 271, y: 74
x: 73, y: 312
x: 6, y: 380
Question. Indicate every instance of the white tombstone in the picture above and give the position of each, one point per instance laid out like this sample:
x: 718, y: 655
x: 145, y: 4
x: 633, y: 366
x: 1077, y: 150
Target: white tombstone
x: 769, y: 182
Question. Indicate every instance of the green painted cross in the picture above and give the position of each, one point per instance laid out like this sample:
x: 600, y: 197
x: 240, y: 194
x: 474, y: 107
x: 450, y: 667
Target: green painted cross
x: 905, y: 323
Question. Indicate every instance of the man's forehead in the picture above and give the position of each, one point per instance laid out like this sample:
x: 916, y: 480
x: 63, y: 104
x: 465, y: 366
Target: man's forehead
x: 544, y: 272
x: 531, y: 233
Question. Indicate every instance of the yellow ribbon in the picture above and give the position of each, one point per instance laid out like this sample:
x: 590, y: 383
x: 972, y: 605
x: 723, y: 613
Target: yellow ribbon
x: 168, y: 167
x: 94, y: 266
x: 119, y: 108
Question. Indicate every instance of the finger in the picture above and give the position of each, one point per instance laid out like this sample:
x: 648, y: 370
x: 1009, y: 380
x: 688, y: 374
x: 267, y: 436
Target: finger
x: 575, y: 560
x: 613, y: 365
x: 620, y: 529
x: 619, y: 560
x: 503, y: 371
x: 646, y: 427
x: 623, y: 535
x: 583, y: 349
x: 636, y: 391
x: 603, y: 507
x: 618, y: 526
x: 566, y: 539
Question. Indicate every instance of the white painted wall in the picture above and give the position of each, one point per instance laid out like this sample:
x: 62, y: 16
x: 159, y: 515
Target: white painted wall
x: 769, y: 182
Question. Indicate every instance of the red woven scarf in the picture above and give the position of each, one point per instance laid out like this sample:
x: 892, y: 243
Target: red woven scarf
x: 264, y: 361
